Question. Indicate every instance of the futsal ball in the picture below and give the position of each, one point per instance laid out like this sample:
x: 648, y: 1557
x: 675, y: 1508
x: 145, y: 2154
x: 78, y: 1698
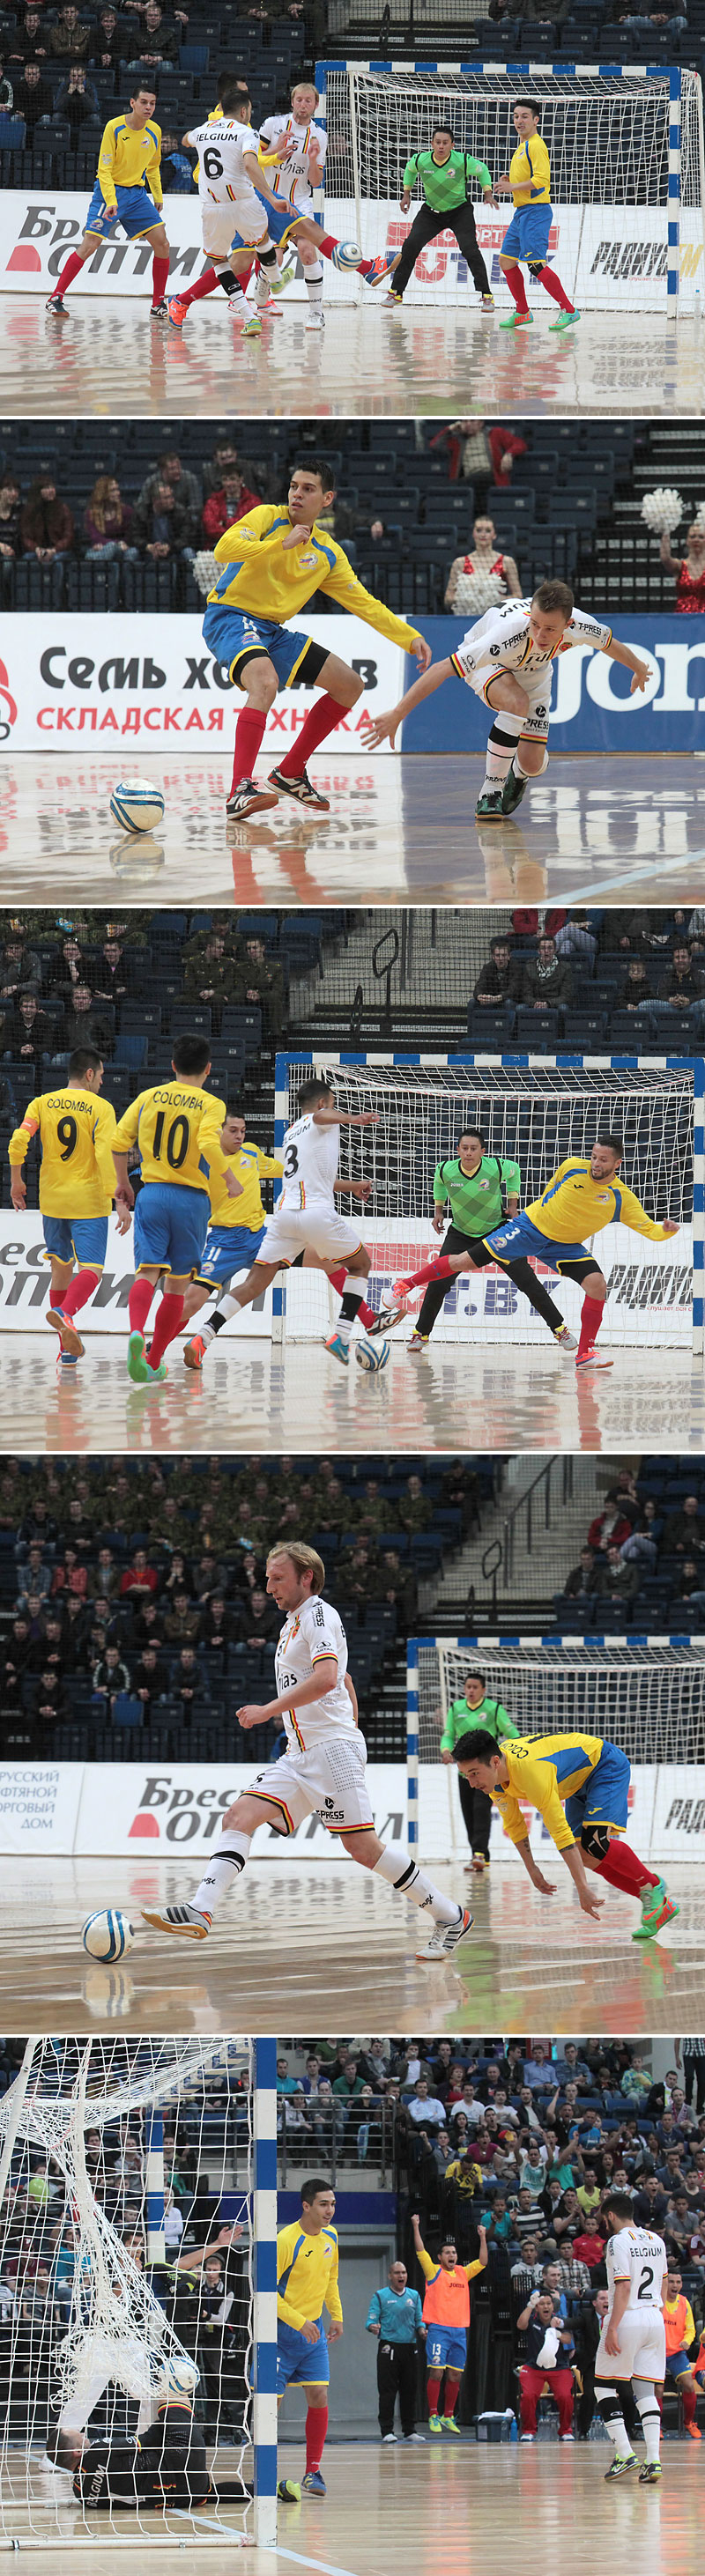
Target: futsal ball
x: 372, y: 1355
x: 346, y: 255
x: 289, y: 2491
x: 108, y: 1936
x: 137, y: 804
x: 179, y: 2378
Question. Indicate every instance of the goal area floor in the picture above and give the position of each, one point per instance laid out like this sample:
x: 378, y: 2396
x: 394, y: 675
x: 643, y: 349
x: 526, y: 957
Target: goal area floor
x: 387, y: 2509
x: 404, y: 828
x: 323, y: 1945
x: 106, y: 357
x: 252, y: 1395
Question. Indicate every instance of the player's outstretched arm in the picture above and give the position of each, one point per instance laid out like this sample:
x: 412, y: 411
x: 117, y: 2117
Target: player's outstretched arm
x: 631, y: 661
x: 383, y: 728
x: 345, y: 1117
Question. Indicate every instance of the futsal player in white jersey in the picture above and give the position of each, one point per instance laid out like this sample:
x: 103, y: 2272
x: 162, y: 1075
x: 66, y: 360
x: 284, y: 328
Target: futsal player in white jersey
x: 633, y: 2340
x: 230, y: 201
x: 292, y: 151
x: 306, y: 1219
x: 506, y: 659
x: 323, y: 1771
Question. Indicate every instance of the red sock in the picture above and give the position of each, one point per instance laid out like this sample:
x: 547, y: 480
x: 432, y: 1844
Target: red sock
x: 452, y: 2386
x: 71, y: 269
x: 433, y: 2390
x: 316, y: 2430
x: 160, y: 277
x: 623, y: 1869
x: 249, y: 730
x: 553, y: 287
x: 56, y: 1298
x: 138, y: 1304
x: 593, y: 1311
x: 439, y: 1268
x: 689, y: 2403
x: 320, y: 721
x: 80, y: 1287
x: 516, y: 287
x: 166, y: 1324
x: 205, y: 285
x: 337, y: 1279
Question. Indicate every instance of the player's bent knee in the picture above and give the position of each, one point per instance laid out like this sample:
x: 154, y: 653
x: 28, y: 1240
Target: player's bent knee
x: 595, y: 1842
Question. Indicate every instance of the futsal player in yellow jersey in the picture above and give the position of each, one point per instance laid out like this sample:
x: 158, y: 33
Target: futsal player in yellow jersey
x: 236, y: 1223
x: 128, y: 191
x: 528, y: 182
x: 579, y: 1783
x: 307, y: 2281
x: 583, y: 1196
x: 272, y: 562
x: 75, y: 1130
x: 177, y: 1129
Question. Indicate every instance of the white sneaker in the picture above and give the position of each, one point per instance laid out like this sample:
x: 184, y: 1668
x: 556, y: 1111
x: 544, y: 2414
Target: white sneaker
x: 388, y: 2437
x: 316, y: 321
x: 527, y: 2437
x: 446, y: 1936
x: 565, y: 1341
x: 416, y: 2437
x: 183, y: 1919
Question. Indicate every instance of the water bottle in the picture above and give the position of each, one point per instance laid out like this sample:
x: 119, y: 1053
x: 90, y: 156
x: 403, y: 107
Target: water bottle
x: 698, y: 305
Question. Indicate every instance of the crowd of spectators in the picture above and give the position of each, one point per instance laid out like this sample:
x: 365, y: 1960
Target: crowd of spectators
x: 64, y: 70
x: 638, y: 976
x: 171, y: 512
x: 644, y: 1553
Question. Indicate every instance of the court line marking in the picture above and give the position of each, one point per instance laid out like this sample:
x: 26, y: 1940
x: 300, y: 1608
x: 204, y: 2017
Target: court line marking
x: 322, y: 2564
x: 609, y: 885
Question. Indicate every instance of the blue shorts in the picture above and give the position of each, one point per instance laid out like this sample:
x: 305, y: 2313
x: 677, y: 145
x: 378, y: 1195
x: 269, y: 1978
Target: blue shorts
x: 135, y: 210
x: 528, y: 235
x: 234, y: 638
x: 603, y: 1798
x: 519, y: 1238
x: 85, y: 1237
x: 298, y: 2360
x: 170, y: 1228
x: 446, y: 2347
x: 276, y: 225
x: 228, y: 1248
x: 676, y: 2363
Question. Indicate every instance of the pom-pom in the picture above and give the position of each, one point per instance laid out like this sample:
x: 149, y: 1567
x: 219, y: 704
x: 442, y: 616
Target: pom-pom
x: 476, y: 591
x: 206, y: 572
x: 662, y: 509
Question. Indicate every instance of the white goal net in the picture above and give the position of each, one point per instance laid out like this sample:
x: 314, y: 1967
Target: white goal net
x: 124, y: 2287
x: 627, y: 172
x: 535, y: 1115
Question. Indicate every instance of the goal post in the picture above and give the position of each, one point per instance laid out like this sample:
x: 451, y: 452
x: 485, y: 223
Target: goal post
x: 627, y: 170
x: 645, y: 1693
x: 536, y: 1111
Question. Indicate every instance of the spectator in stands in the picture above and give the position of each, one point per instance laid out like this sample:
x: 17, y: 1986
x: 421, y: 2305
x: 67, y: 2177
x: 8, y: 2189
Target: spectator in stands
x: 549, y: 2350
x: 189, y: 1681
x: 28, y: 1031
x: 689, y: 568
x: 27, y: 42
x: 82, y: 1025
x: 140, y: 1581
x: 159, y: 42
x: 10, y: 508
x: 266, y: 1621
x: 576, y: 936
x: 501, y: 978
x: 611, y: 1526
x: 547, y: 982
x: 684, y: 1532
x: 149, y: 1676
x: 184, y: 485
x: 637, y: 991
x: 424, y: 2107
x: 70, y: 969
x: 69, y: 35
x: 182, y: 1621
x: 651, y: 2202
x: 46, y: 522
x: 19, y: 970
x: 581, y: 1583
x: 643, y: 1545
x: 111, y: 43
x: 617, y: 1579
x: 259, y: 979
x: 107, y: 522
x: 485, y: 556
x: 635, y: 2081
x: 682, y: 988
x: 223, y: 507
x: 77, y: 101
x: 226, y: 458
x: 162, y: 524
x: 110, y: 1676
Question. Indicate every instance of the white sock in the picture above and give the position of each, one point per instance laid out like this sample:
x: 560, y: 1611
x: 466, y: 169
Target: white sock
x: 314, y: 283
x: 502, y: 743
x: 650, y: 2418
x: 224, y: 1868
x: 396, y: 1865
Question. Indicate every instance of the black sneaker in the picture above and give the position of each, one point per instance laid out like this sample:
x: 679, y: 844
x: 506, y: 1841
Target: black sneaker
x: 159, y: 312
x: 55, y: 304
x: 513, y: 790
x: 489, y: 807
x: 248, y: 798
x: 301, y: 788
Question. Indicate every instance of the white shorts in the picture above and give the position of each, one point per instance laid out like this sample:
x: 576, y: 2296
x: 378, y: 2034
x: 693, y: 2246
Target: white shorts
x: 642, y: 2347
x: 538, y: 699
x: 293, y: 1230
x: 99, y: 2369
x: 218, y: 225
x: 328, y: 1782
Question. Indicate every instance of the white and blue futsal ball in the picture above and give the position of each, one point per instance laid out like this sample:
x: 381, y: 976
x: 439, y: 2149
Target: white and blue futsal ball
x: 178, y: 2380
x: 137, y: 804
x: 346, y: 255
x: 108, y: 1936
x: 371, y: 1355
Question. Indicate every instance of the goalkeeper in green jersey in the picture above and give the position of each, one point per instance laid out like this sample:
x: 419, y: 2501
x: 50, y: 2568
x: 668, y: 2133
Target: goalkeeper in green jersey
x: 449, y: 180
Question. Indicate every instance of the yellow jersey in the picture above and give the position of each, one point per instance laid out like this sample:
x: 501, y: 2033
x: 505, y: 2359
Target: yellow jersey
x: 177, y: 1130
x: 266, y: 582
x: 573, y: 1205
x: 543, y: 1770
x: 530, y: 173
x: 250, y: 1167
x: 307, y: 2275
x: 76, y: 1131
x: 127, y: 159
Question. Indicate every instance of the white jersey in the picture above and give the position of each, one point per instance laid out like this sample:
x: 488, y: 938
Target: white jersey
x: 310, y: 1157
x: 307, y: 1636
x: 221, y: 145
x: 291, y: 179
x: 501, y: 640
x: 638, y: 2256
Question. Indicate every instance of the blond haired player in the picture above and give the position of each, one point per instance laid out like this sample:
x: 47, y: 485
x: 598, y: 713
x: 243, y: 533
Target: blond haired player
x: 75, y: 1130
x: 632, y: 2344
x: 128, y: 191
x: 323, y: 1770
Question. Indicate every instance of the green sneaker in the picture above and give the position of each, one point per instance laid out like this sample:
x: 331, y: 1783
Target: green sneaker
x: 565, y: 322
x: 136, y: 1361
x: 449, y: 2424
x: 156, y: 1376
x: 489, y: 806
x: 657, y: 1909
x: 252, y: 330
x: 517, y: 321
x: 619, y: 2468
x: 650, y: 2474
x: 435, y: 2424
x: 513, y: 790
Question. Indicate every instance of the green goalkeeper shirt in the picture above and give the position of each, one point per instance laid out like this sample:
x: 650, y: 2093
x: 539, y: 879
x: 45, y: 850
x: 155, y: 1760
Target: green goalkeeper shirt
x: 461, y: 1720
x: 446, y: 183
x: 476, y: 1204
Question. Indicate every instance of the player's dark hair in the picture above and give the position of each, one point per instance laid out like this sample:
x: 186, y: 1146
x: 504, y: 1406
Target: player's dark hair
x: 233, y: 1110
x: 533, y: 103
x: 143, y: 89
x: 475, y: 1676
x: 313, y: 1091
x: 615, y: 1144
x: 442, y: 129
x: 554, y: 597
x: 477, y: 1746
x: 620, y: 2202
x: 84, y: 1060
x: 315, y: 465
x: 232, y: 90
x: 477, y: 1136
x: 191, y: 1055
x: 310, y: 2189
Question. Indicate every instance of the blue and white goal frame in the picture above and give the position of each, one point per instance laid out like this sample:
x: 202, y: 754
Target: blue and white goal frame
x: 264, y: 2349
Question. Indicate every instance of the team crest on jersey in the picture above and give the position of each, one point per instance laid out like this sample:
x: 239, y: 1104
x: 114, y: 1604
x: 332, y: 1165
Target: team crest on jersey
x: 308, y: 562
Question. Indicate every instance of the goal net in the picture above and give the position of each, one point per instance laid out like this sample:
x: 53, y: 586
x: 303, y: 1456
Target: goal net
x: 648, y: 1697
x: 122, y: 2162
x: 536, y: 1115
x: 627, y: 171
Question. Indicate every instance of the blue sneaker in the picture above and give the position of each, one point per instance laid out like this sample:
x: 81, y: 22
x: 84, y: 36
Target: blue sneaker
x: 313, y: 2483
x: 339, y: 1348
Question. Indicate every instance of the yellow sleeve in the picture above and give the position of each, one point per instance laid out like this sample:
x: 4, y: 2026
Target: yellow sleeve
x: 689, y: 2323
x: 104, y: 1134
x: 127, y: 1126
x: 633, y: 1215
x: 23, y: 1134
x: 342, y: 584
x: 285, y: 2247
x: 106, y: 164
x: 268, y: 1165
x: 209, y: 1144
x: 255, y: 529
x: 428, y: 2267
x: 471, y: 2270
x: 332, y: 2297
x: 540, y: 1788
x: 153, y: 169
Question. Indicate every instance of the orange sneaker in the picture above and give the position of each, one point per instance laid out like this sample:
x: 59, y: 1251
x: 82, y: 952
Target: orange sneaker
x: 195, y: 1352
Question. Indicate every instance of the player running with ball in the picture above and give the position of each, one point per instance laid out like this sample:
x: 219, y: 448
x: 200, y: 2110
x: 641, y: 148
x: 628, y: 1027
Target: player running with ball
x: 506, y: 659
x: 322, y: 1772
